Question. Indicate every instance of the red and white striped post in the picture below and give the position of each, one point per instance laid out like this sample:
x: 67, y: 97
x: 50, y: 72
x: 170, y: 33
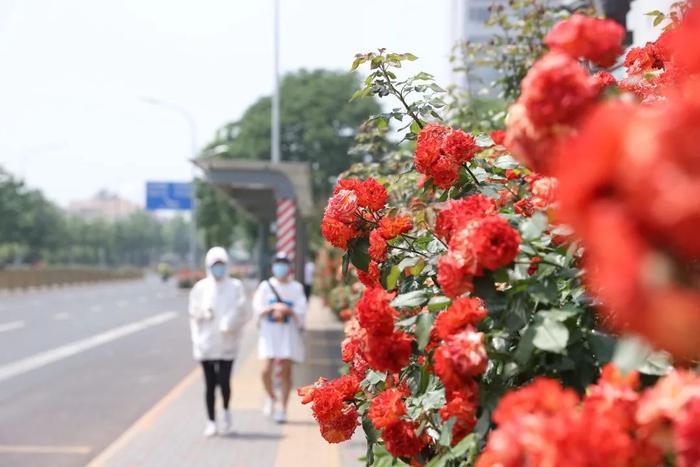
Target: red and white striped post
x: 286, y: 228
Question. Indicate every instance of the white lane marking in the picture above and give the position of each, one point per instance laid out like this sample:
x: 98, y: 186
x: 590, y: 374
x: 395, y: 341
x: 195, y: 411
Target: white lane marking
x: 30, y: 449
x: 122, y: 303
x: 59, y: 353
x: 96, y: 308
x: 61, y: 316
x: 11, y: 326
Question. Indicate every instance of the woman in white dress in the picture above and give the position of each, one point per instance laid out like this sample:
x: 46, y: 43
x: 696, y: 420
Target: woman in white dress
x: 218, y: 314
x: 280, y: 306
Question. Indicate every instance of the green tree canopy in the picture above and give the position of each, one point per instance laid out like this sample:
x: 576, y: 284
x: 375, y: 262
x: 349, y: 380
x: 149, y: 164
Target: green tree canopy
x: 318, y: 123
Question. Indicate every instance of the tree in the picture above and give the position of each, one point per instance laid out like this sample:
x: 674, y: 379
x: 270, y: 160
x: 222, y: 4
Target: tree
x: 318, y: 125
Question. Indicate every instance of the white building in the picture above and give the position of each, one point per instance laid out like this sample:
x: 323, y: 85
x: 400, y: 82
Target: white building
x: 104, y: 205
x: 467, y: 19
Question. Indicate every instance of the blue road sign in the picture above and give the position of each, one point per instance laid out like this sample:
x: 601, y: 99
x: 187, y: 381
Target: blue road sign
x: 169, y: 195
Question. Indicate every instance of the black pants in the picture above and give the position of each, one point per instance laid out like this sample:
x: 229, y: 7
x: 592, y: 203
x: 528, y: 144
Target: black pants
x: 217, y: 373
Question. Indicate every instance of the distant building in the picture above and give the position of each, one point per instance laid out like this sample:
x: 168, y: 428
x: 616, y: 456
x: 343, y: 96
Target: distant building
x: 467, y: 18
x: 104, y: 205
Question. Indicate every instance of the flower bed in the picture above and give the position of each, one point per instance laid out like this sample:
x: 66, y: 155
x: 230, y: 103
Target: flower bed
x: 501, y: 269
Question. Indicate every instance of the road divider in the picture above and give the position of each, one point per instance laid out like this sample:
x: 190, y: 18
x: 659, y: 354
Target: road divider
x: 59, y: 353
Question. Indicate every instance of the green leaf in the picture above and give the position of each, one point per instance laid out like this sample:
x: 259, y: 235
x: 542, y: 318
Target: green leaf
x: 505, y: 162
x: 551, y: 336
x: 408, y: 262
x: 371, y: 432
x: 375, y: 377
x: 346, y: 263
x: 467, y: 443
x: 356, y: 63
x: 602, y: 346
x: 392, y: 278
x: 420, y: 265
x: 359, y: 254
x: 411, y: 299
x: 423, y: 328
x: 559, y: 315
x: 446, y: 433
x: 439, y: 302
x: 533, y: 227
x: 415, y: 127
x: 634, y: 353
x: 525, y: 347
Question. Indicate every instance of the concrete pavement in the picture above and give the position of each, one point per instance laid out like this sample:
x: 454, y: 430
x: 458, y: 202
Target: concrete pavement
x: 170, y: 434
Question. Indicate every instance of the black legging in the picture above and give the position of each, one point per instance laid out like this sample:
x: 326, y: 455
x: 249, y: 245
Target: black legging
x: 217, y: 372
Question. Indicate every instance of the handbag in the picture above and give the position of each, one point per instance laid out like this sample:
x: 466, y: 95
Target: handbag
x: 279, y: 300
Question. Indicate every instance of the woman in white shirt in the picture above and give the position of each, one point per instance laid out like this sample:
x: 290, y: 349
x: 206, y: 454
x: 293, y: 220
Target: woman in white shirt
x: 217, y: 317
x: 280, y: 306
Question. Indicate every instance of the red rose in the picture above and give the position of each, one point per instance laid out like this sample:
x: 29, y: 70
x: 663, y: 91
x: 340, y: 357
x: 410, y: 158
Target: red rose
x: 342, y: 427
x: 377, y: 246
x: 387, y: 408
x: 389, y: 352
x: 459, y: 212
x: 455, y: 275
x: 342, y: 206
x: 463, y: 312
x: 374, y: 312
x: 372, y: 195
x: 583, y: 37
x: 338, y: 233
x: 460, y: 358
x: 392, y: 227
x: 459, y: 146
x: 428, y: 146
x: 400, y: 439
x: 556, y: 90
x: 444, y: 172
x: 603, y: 80
x: 370, y: 278
x: 494, y: 242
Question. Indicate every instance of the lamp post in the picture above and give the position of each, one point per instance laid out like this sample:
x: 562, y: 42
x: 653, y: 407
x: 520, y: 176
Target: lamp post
x: 275, y: 153
x: 193, y: 153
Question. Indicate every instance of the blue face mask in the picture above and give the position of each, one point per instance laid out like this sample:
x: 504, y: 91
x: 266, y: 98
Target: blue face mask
x: 280, y: 270
x: 218, y: 270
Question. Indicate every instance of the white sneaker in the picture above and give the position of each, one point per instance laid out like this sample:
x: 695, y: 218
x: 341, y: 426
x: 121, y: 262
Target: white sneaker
x: 268, y: 407
x: 280, y: 416
x: 226, y: 422
x: 210, y: 429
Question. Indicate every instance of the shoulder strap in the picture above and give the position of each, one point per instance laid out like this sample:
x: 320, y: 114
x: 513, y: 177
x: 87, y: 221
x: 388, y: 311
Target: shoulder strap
x: 274, y: 291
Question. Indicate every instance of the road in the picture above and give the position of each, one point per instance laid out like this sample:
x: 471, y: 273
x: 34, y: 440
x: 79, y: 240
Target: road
x: 78, y: 365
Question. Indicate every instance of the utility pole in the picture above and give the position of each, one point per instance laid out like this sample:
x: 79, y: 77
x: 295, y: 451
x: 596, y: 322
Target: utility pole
x: 275, y: 155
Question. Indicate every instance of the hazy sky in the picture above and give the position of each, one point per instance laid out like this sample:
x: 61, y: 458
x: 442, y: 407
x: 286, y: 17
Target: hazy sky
x: 71, y: 121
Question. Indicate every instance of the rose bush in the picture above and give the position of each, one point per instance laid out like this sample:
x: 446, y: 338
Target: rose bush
x: 475, y: 282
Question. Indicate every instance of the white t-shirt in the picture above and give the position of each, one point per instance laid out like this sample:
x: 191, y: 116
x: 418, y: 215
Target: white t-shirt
x: 281, y: 340
x: 309, y: 269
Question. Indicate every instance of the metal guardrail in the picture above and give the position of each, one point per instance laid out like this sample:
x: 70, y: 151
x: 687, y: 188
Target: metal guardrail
x: 23, y: 278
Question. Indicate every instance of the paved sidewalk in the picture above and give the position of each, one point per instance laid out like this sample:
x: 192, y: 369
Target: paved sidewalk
x: 170, y: 434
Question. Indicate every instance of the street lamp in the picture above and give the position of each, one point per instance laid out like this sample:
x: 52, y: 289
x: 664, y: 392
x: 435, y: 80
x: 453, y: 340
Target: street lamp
x: 275, y: 153
x: 193, y: 152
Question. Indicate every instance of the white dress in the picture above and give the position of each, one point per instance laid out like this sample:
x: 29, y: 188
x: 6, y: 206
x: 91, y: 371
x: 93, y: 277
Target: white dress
x: 281, y: 340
